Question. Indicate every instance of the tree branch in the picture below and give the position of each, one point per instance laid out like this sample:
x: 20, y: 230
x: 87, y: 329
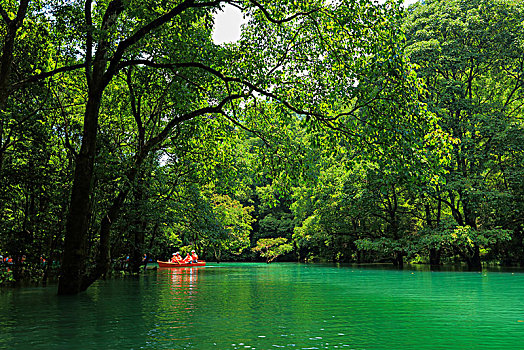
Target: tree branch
x: 4, y: 15
x: 45, y: 75
x: 280, y: 21
x: 114, y: 9
x: 135, y: 111
x: 240, y: 125
x: 89, y: 39
x: 227, y: 79
x: 8, y: 44
x: 20, y: 14
x: 133, y: 39
x: 188, y: 116
x: 286, y: 51
x: 63, y: 113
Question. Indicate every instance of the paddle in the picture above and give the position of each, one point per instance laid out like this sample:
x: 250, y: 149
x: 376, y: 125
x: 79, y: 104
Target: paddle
x: 176, y: 260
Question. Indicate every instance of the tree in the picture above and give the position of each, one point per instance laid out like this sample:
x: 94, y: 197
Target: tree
x: 469, y: 55
x: 137, y: 78
x: 32, y: 160
x: 272, y: 248
x: 236, y: 220
x: 214, y: 83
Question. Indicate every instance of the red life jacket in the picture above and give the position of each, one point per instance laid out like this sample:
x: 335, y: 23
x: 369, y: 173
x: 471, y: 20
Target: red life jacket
x: 194, y: 256
x: 187, y: 259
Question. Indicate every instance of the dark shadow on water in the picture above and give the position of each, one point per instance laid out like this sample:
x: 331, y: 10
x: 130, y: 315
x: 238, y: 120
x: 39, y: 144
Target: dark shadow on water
x: 427, y: 267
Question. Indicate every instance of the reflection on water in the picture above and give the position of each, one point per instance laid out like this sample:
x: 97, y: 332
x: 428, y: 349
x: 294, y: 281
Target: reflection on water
x: 259, y: 306
x: 183, y: 279
x: 179, y: 300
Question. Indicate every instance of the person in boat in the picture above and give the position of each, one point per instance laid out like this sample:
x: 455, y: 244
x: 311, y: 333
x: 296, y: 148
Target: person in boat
x: 194, y: 257
x: 176, y: 258
x: 187, y: 259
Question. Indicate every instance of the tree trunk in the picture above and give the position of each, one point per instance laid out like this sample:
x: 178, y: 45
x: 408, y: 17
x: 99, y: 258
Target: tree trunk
x: 473, y: 261
x: 434, y: 253
x: 136, y: 256
x: 394, y: 230
x: 73, y: 277
x: 6, y: 62
x: 398, y: 261
x: 103, y: 261
x: 434, y: 256
x: 75, y: 254
x: 333, y: 252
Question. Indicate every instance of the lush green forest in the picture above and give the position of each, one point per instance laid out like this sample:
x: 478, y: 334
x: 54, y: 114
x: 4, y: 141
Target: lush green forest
x: 344, y: 131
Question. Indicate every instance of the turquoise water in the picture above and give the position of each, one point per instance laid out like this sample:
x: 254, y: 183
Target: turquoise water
x: 259, y: 306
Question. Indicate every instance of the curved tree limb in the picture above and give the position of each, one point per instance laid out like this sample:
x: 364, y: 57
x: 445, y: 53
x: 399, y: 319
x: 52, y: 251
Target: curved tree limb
x: 41, y: 76
x: 4, y: 15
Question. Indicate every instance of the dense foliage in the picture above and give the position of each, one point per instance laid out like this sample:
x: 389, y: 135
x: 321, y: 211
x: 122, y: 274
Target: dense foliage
x: 345, y: 130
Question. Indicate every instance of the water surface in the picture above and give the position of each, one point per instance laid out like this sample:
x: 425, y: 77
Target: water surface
x: 259, y: 306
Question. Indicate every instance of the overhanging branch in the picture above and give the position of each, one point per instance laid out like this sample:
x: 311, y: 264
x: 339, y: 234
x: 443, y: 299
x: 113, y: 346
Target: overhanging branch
x: 154, y: 141
x: 4, y: 15
x: 41, y: 76
x: 328, y: 121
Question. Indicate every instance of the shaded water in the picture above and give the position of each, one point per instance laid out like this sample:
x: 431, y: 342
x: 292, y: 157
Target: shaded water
x: 248, y: 306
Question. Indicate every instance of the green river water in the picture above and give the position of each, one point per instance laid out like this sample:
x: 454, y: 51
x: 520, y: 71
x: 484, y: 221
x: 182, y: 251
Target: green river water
x: 259, y: 306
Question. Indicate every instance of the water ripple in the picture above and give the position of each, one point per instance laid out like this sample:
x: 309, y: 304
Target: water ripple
x: 259, y: 306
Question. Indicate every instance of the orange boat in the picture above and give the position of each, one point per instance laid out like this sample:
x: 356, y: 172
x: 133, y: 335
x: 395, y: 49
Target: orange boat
x: 200, y: 263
